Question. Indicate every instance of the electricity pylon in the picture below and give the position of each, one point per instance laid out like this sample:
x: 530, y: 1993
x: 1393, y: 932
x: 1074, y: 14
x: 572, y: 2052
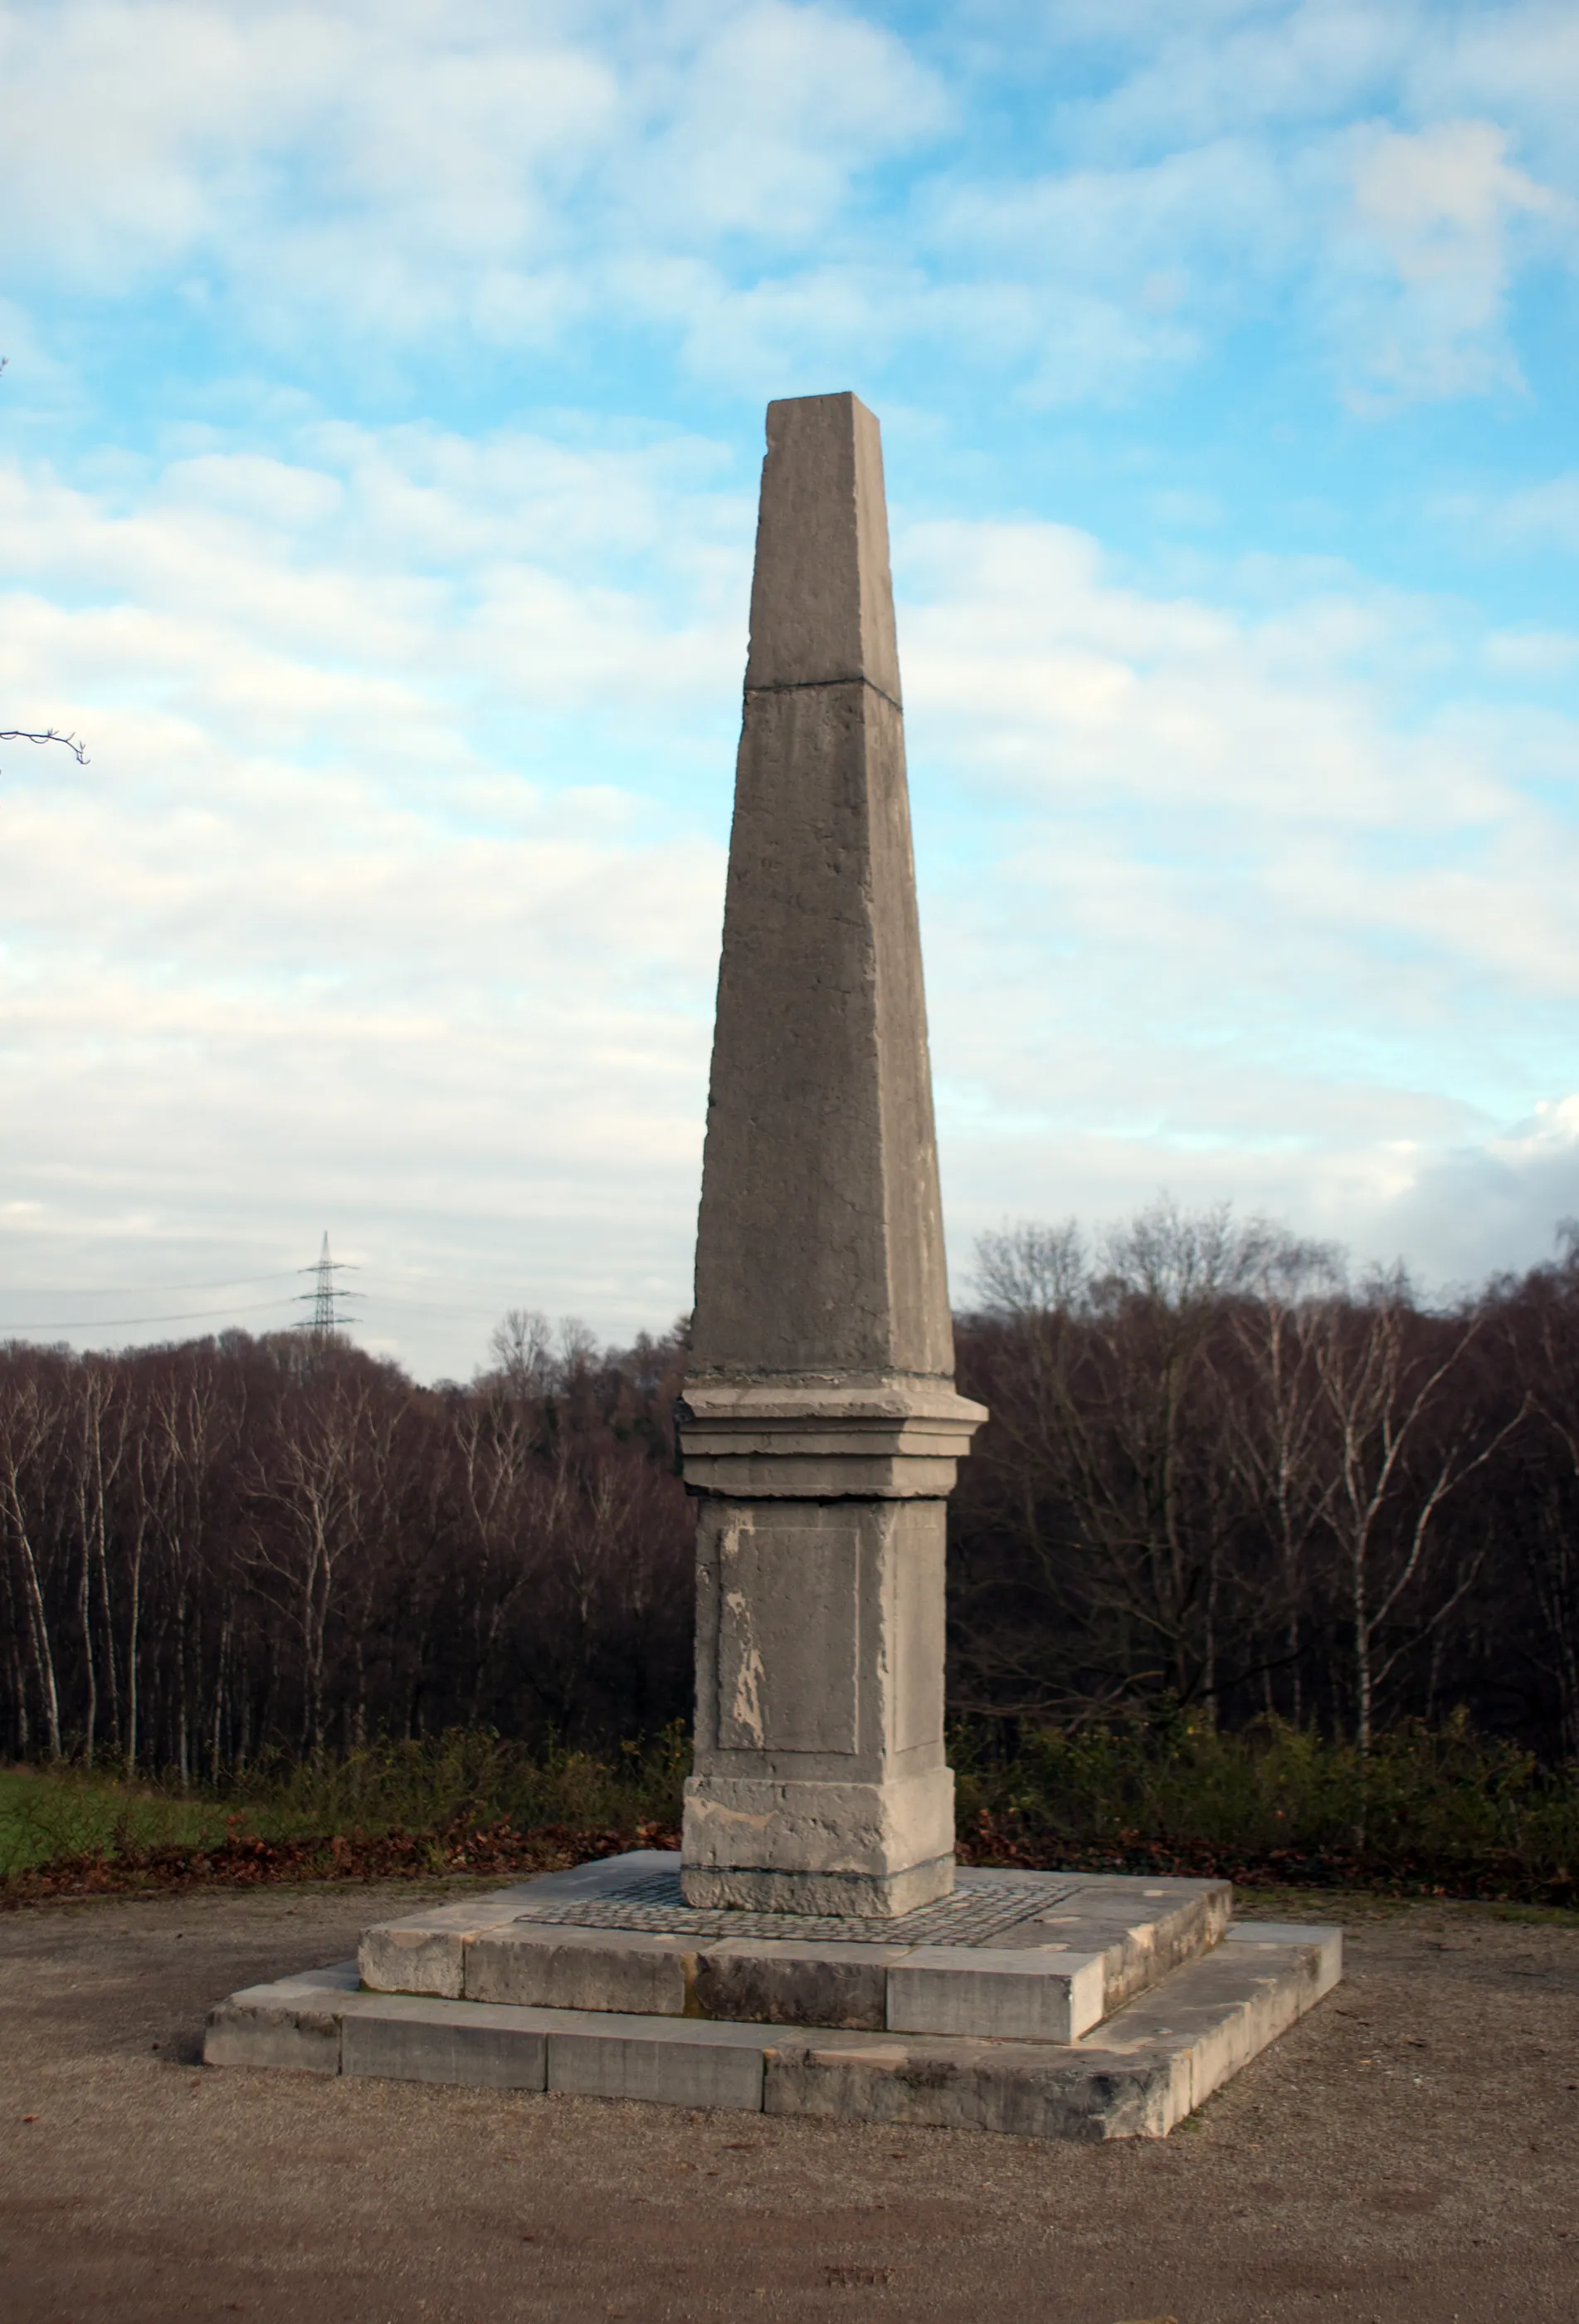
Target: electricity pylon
x: 326, y: 1297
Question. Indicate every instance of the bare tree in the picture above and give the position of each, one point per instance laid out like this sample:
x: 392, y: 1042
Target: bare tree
x: 29, y: 1426
x: 315, y: 1491
x: 1275, y: 1419
x: 522, y: 1347
x: 1401, y: 1451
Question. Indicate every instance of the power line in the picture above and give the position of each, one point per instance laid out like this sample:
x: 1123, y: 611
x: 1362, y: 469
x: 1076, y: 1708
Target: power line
x: 158, y: 1290
x: 439, y: 1307
x: 326, y: 1300
x: 115, y: 1323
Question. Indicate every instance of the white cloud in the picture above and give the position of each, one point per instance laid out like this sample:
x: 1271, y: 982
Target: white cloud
x: 527, y: 174
x: 389, y: 898
x: 1439, y: 212
x: 1255, y: 924
x: 395, y: 171
x: 1236, y: 65
x: 1490, y: 1206
x: 1542, y: 514
x: 1532, y: 655
x: 1352, y: 161
x: 1068, y: 682
x: 762, y: 124
x: 373, y: 910
x: 305, y: 943
x: 191, y: 127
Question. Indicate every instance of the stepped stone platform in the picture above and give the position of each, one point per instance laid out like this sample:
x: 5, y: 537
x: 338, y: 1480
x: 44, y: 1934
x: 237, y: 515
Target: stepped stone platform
x: 1047, y: 2005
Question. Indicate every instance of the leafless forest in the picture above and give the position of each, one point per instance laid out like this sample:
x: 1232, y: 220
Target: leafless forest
x: 1216, y: 1473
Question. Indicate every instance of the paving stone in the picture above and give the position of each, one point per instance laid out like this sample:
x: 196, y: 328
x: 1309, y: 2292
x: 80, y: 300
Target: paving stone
x: 1328, y: 1935
x: 1143, y: 1931
x: 979, y: 1906
x: 1008, y: 1956
x: 577, y: 1968
x: 294, y: 2024
x: 1028, y: 2090
x: 676, y: 2062
x: 601, y: 1874
x: 488, y: 2048
x: 1212, y: 2016
x: 1019, y: 1996
x: 425, y: 1952
x: 1149, y: 2066
x: 772, y: 1983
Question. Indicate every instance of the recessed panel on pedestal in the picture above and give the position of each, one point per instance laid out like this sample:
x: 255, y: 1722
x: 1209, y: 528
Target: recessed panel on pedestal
x: 788, y: 1637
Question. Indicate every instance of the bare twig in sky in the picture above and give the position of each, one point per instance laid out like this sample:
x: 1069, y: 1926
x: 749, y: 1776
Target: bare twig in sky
x: 68, y: 742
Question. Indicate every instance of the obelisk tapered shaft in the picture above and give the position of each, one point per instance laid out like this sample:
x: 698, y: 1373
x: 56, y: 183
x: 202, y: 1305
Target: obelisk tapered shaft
x: 820, y: 1425
x: 821, y: 1244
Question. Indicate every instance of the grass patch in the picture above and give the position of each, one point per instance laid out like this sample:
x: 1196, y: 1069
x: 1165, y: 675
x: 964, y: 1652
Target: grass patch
x: 468, y: 1777
x: 45, y: 1815
x: 1431, y: 1813
x: 464, y: 1802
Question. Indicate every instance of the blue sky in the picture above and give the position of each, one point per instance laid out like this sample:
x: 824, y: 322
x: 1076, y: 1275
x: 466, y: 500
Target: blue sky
x: 378, y: 457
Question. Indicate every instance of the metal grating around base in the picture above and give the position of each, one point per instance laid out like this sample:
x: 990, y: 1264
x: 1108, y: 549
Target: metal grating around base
x: 650, y: 1904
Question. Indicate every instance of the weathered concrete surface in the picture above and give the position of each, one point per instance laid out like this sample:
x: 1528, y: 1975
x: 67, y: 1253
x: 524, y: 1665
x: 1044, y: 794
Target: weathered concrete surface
x: 1140, y: 1930
x: 819, y: 1737
x: 397, y: 2037
x: 1138, y: 2077
x: 425, y: 1952
x: 1406, y: 2153
x: 893, y: 1439
x: 820, y: 1421
x: 294, y: 2023
x: 770, y: 1981
x: 1004, y: 1995
x: 1049, y: 1974
x: 577, y: 1968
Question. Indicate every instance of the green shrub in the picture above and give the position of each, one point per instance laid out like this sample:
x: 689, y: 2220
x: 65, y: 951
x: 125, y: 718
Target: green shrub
x: 1441, y: 1799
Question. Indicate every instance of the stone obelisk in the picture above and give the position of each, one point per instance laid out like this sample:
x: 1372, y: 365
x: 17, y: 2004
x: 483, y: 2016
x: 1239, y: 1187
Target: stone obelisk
x: 820, y: 1426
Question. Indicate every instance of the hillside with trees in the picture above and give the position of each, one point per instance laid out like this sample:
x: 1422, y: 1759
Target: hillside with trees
x: 1218, y: 1476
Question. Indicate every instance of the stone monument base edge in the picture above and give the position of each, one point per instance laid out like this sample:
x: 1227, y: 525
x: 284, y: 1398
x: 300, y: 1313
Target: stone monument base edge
x: 865, y: 1896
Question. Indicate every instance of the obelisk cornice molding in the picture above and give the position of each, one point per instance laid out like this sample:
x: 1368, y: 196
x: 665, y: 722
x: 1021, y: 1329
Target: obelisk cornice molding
x: 824, y: 1440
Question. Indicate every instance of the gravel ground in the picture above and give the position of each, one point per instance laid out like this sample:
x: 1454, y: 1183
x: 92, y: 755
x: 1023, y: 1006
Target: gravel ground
x: 1410, y: 2151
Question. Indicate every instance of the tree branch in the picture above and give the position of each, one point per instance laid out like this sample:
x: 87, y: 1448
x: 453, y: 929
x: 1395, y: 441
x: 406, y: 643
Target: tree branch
x: 68, y: 742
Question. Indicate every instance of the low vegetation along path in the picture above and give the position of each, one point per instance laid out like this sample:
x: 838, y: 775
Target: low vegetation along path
x: 1408, y: 2153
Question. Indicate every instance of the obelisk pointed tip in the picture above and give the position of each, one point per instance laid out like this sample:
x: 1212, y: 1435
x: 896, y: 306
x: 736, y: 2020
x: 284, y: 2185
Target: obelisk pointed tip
x: 843, y: 400
x: 821, y: 598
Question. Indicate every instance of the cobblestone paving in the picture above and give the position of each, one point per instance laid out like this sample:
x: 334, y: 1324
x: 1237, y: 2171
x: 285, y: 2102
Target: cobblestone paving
x: 650, y: 1904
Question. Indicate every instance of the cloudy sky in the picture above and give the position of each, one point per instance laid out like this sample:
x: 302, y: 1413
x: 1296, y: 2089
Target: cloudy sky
x: 379, y: 443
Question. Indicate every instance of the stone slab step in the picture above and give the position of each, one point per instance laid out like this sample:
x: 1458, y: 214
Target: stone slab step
x: 1021, y: 1956
x: 1153, y: 2062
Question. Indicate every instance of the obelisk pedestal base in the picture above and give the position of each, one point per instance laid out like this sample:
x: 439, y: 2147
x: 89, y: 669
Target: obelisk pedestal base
x: 868, y: 1896
x: 820, y: 1783
x: 872, y: 1849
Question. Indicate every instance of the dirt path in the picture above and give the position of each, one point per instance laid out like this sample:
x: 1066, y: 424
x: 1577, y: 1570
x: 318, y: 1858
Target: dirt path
x: 1410, y: 2155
